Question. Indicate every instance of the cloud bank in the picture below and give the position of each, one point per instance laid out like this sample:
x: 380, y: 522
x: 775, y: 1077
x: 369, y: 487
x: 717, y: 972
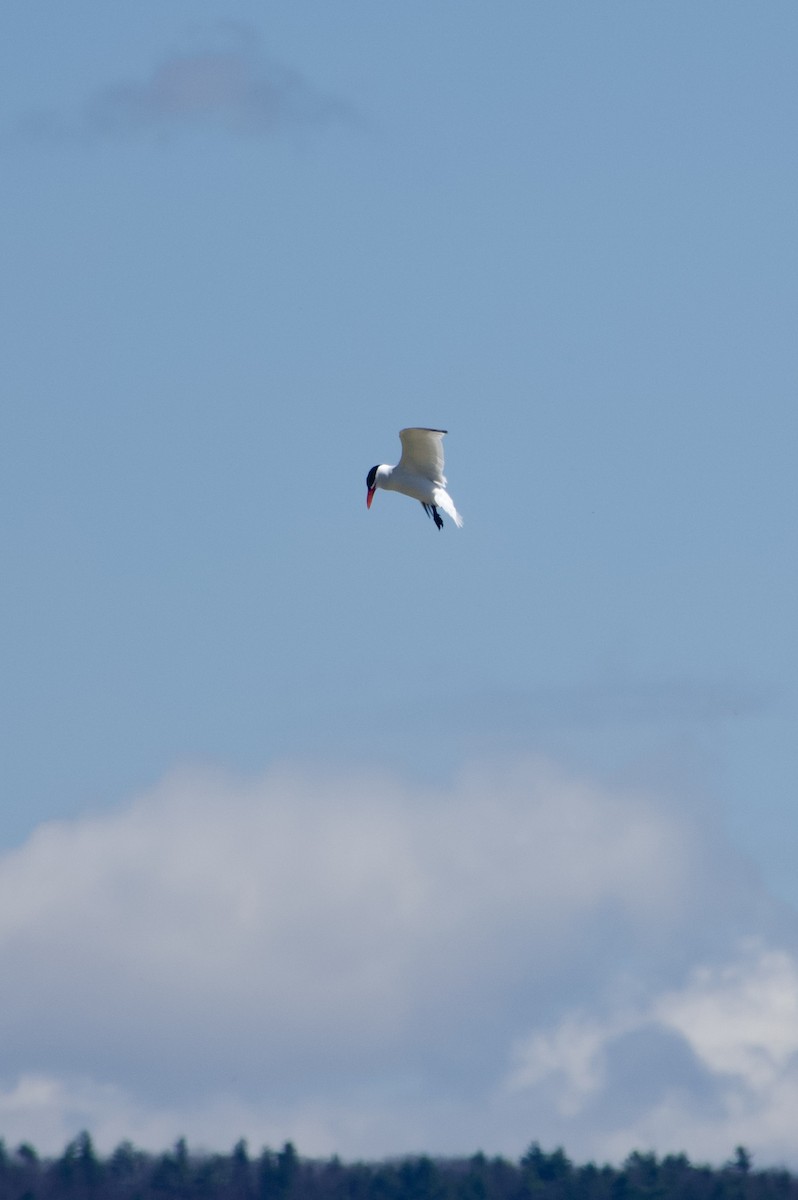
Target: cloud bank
x: 369, y: 967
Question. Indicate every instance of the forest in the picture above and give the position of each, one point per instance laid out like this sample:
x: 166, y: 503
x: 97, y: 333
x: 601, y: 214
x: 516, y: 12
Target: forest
x: 132, y: 1174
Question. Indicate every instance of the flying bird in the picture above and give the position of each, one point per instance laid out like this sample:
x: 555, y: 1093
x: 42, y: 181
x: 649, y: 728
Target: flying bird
x: 419, y: 473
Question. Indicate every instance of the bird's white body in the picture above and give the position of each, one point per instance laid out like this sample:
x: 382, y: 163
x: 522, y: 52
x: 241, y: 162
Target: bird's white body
x: 419, y: 472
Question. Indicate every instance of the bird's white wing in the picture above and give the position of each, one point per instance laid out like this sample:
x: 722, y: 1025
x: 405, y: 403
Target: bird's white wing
x: 422, y: 453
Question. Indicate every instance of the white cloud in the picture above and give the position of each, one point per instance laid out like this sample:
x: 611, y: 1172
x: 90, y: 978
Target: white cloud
x: 741, y: 1018
x: 573, y: 1051
x: 370, y: 967
x: 735, y: 1023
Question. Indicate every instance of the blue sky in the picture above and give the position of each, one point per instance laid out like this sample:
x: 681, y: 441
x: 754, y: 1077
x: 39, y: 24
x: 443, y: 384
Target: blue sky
x: 242, y: 247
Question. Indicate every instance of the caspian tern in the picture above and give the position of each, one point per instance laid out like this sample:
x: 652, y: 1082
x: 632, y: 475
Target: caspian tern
x: 419, y: 473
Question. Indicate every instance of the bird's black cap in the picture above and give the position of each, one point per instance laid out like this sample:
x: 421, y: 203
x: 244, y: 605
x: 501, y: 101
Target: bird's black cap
x: 372, y: 475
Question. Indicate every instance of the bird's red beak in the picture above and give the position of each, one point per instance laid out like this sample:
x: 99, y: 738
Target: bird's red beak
x: 370, y: 497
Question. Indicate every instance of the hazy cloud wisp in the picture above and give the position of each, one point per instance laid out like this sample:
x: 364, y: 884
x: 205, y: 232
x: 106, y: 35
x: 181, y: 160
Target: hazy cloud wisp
x: 234, y: 87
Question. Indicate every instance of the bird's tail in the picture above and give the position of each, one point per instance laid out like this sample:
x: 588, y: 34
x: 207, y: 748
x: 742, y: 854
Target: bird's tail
x: 443, y: 500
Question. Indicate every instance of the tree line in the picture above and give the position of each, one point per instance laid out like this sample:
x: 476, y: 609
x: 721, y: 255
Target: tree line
x: 180, y: 1174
